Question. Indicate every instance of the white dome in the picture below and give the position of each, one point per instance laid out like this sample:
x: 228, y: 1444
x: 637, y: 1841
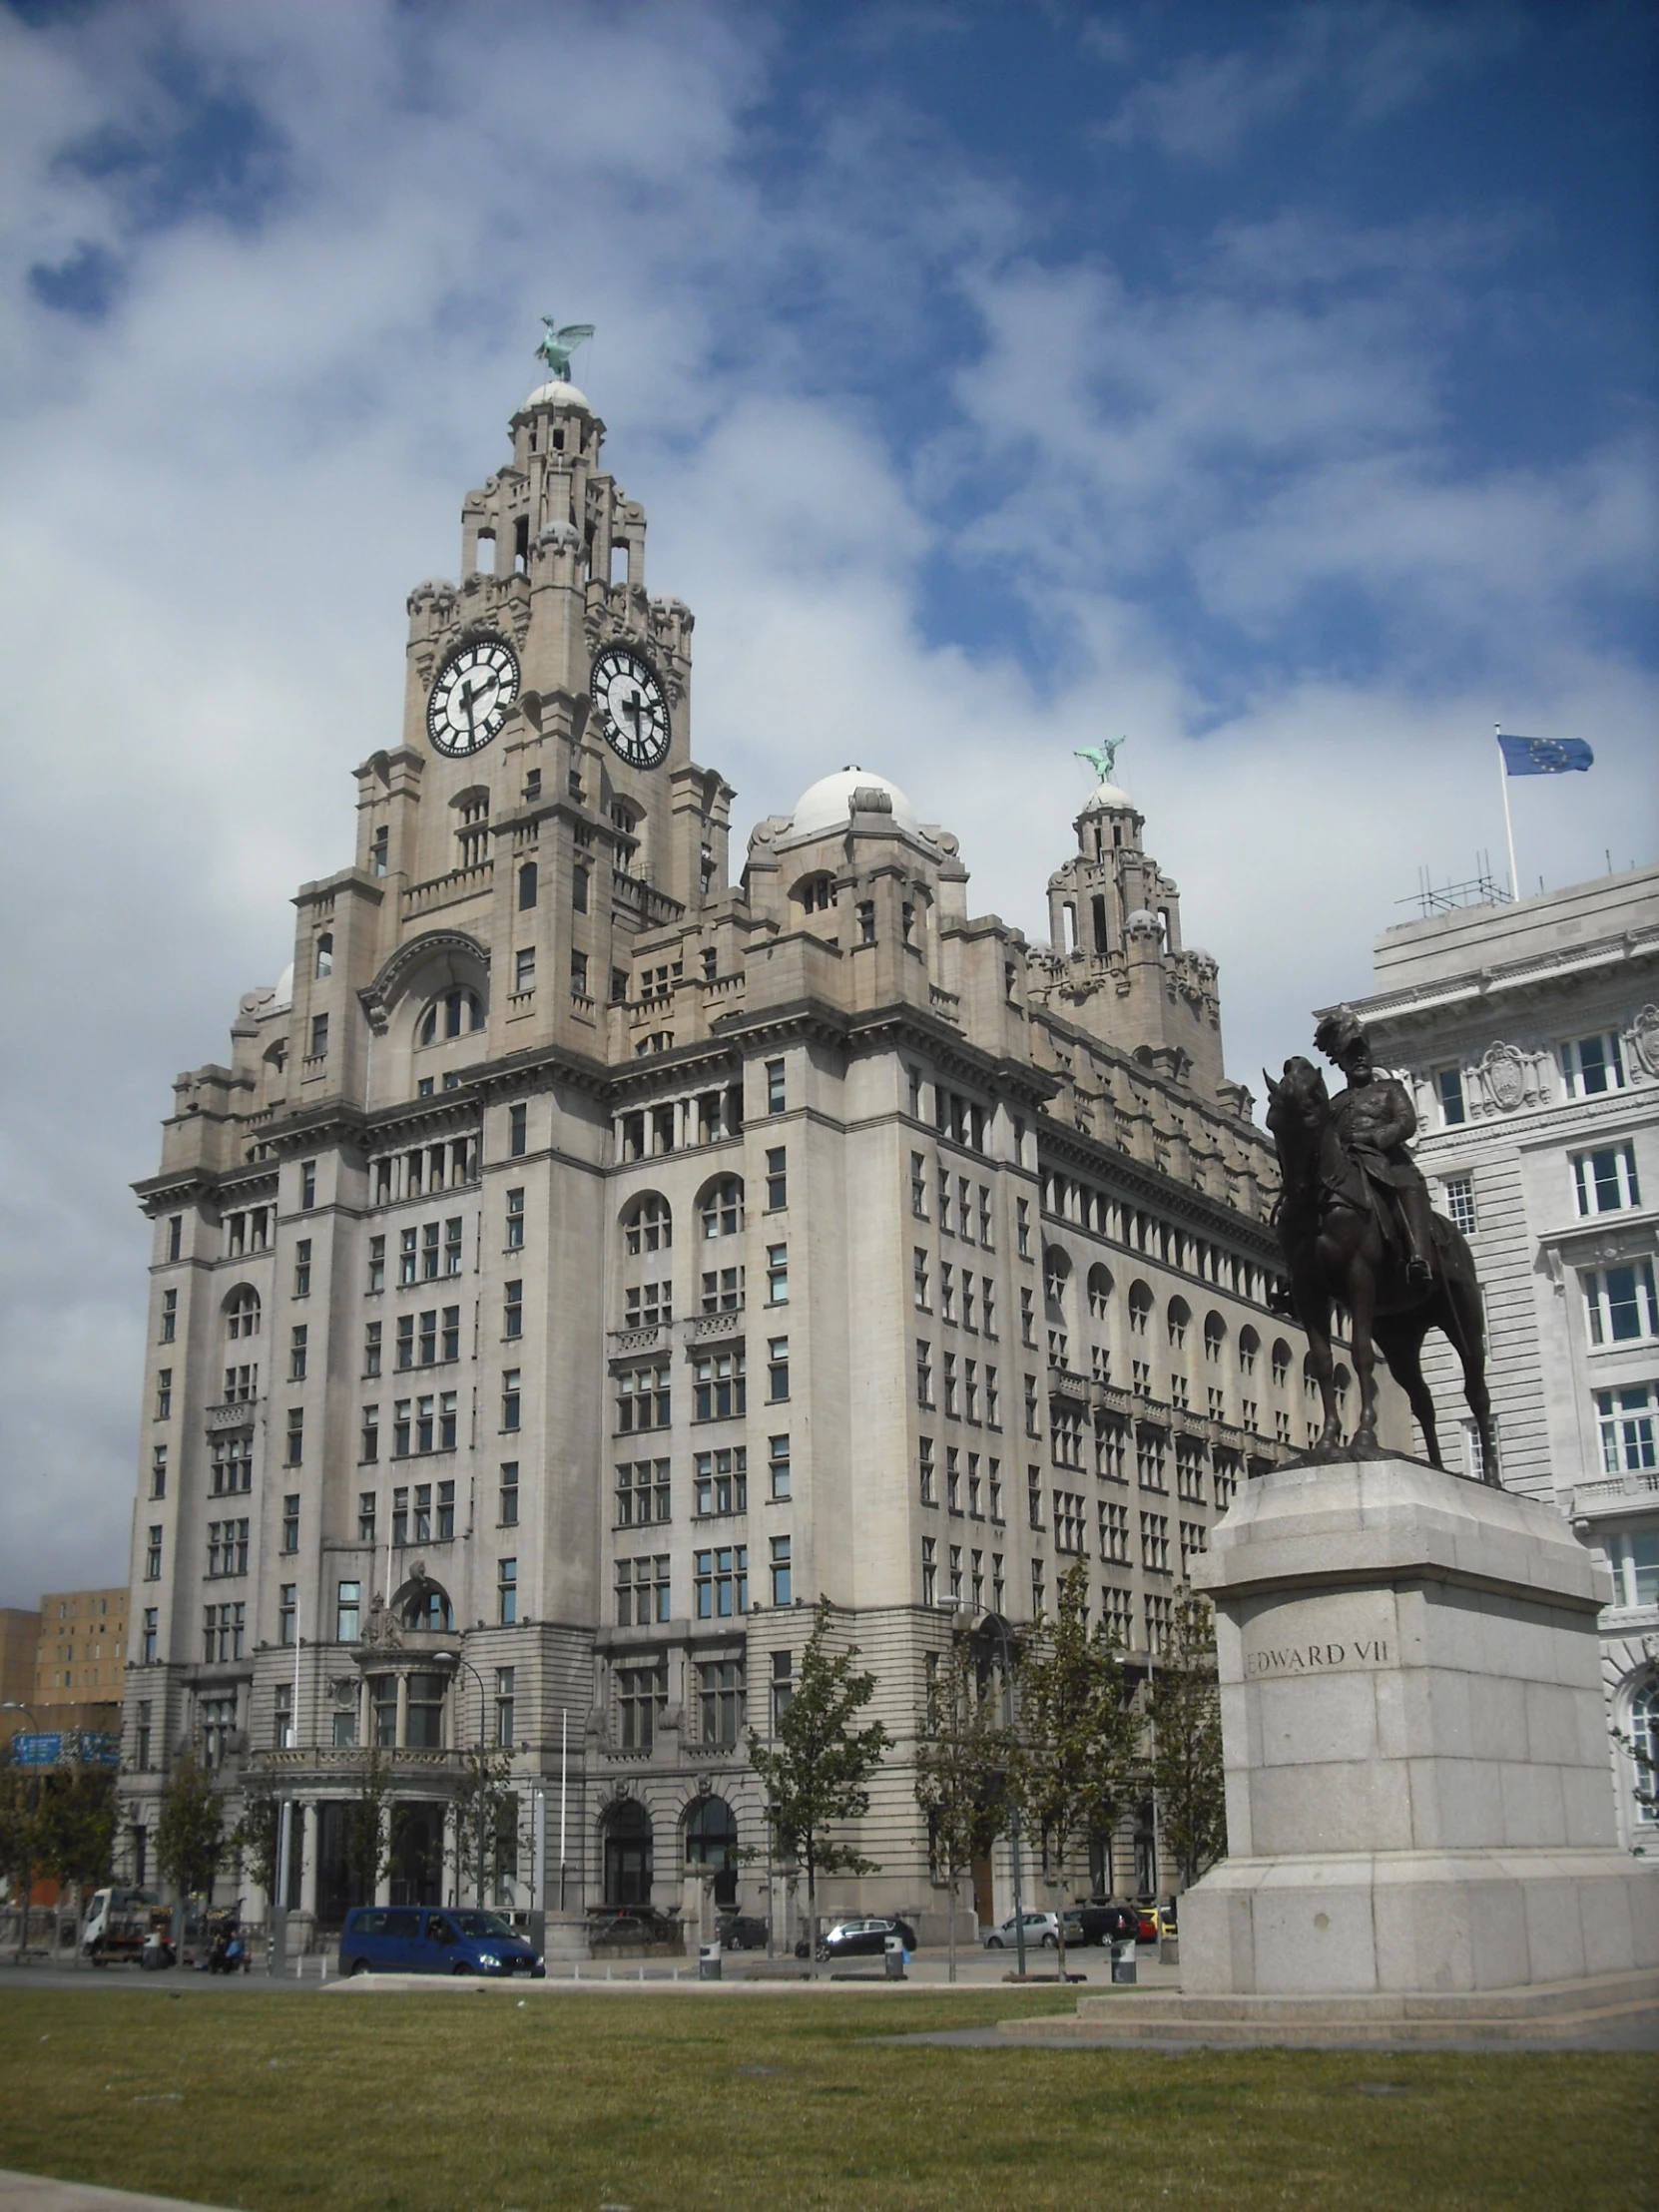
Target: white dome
x: 1108, y: 794
x: 827, y: 804
x: 557, y: 394
x: 285, y: 986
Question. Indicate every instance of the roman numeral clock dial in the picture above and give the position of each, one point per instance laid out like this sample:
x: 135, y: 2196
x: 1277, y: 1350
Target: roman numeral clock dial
x: 476, y: 684
x: 631, y: 708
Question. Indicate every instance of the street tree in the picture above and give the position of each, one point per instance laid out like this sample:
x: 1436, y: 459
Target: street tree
x: 257, y: 1837
x: 961, y: 1773
x: 486, y: 1818
x: 20, y: 1829
x: 1185, y: 1716
x: 77, y: 1831
x: 368, y: 1838
x: 1078, y: 1737
x: 190, y: 1835
x: 816, y: 1767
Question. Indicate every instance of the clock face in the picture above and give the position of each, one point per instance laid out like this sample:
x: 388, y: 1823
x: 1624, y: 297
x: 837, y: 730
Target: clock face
x: 631, y: 708
x: 469, y: 702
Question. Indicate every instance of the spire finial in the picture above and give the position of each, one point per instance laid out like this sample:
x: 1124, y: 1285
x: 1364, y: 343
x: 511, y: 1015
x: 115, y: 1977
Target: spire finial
x: 1101, y: 757
x: 559, y: 342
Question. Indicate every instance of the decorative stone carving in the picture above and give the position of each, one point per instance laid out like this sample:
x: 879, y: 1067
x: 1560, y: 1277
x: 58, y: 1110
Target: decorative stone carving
x: 1644, y: 1038
x: 1504, y: 1073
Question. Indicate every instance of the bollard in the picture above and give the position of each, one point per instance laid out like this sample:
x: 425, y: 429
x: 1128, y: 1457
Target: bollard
x: 1123, y: 1959
x: 893, y: 1952
x: 709, y: 1962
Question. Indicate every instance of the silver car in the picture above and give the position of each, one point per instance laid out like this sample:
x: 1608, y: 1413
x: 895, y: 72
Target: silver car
x: 1042, y: 1929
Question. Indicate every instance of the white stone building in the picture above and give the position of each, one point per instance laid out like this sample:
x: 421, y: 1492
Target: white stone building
x: 583, y: 1263
x: 1531, y: 1037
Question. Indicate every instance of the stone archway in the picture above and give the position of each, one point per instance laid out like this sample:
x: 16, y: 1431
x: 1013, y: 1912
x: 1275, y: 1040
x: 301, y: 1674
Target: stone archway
x: 712, y: 1841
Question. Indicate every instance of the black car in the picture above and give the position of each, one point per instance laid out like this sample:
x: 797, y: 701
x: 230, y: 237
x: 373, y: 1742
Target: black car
x: 1104, y: 1922
x: 632, y: 1925
x: 742, y: 1932
x: 863, y: 1938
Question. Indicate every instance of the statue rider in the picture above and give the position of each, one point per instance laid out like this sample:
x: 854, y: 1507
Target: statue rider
x: 1374, y: 1118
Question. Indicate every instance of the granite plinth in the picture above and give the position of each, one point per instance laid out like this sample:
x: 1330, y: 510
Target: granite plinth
x: 1420, y: 1792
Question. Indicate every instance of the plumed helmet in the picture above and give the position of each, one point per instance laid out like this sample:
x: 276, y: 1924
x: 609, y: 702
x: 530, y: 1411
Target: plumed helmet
x: 1338, y: 1033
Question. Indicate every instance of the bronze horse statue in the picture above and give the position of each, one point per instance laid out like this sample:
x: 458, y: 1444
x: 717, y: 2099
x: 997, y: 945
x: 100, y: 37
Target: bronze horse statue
x: 1338, y: 1250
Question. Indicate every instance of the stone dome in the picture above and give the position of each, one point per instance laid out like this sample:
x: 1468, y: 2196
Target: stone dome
x: 825, y: 804
x: 1143, y: 923
x: 556, y: 395
x: 1109, y: 796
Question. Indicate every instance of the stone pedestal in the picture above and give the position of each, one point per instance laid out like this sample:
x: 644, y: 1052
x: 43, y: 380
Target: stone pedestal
x: 1419, y: 1793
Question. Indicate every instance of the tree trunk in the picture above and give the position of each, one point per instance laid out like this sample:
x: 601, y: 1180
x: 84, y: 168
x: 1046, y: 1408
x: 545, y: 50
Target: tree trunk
x: 955, y: 1876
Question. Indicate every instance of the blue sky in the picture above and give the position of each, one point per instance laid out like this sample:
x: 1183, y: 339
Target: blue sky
x: 1273, y: 384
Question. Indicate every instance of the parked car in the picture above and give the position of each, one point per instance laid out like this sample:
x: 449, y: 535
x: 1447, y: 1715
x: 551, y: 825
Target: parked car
x: 743, y: 1931
x: 1103, y: 1922
x: 1147, y: 1932
x: 863, y: 1938
x: 1042, y: 1930
x: 634, y: 1924
x: 399, y: 1939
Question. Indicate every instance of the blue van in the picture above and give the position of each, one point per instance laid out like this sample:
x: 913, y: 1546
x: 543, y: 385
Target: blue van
x: 408, y: 1938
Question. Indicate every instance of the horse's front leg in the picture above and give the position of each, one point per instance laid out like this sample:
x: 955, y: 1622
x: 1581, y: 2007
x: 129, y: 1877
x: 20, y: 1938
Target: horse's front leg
x: 1313, y: 1312
x: 1362, y: 1314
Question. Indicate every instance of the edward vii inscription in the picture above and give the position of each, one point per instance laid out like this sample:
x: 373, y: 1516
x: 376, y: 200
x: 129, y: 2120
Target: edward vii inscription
x: 1317, y: 1658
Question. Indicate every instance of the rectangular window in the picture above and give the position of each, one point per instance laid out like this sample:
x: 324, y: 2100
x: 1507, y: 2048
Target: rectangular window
x: 720, y: 1482
x: 925, y: 1375
x: 175, y: 1236
x: 510, y: 1396
x: 579, y: 975
x: 153, y: 1555
x: 518, y: 1131
x: 927, y: 1471
x: 308, y: 1185
x: 778, y: 1181
x: 319, y: 1036
x: 157, y: 1470
x: 506, y: 1592
x: 512, y: 1318
x: 348, y: 1607
x: 642, y: 1697
x: 524, y: 969
x: 777, y: 1369
x: 1155, y: 1542
x: 919, y: 1281
x: 366, y: 1517
x: 377, y: 1262
x: 949, y: 1364
x: 719, y: 1391
x: 148, y: 1634
x: 297, y: 1352
x: 1634, y: 1559
x: 295, y: 1453
x: 866, y: 921
x: 170, y: 1317
x: 930, y: 1570
x: 290, y: 1522
x: 720, y: 1582
x: 985, y: 1216
x: 1022, y: 1227
x: 1448, y: 1083
x: 1033, y: 1423
x: 1034, y: 1496
x: 1605, y: 1182
x: 164, y: 1393
x: 507, y: 1734
x: 515, y: 1220
x: 919, y: 1186
x: 777, y: 1465
x: 641, y: 1399
x: 648, y: 1304
x: 778, y: 1275
x: 1460, y: 1201
x: 1619, y: 1302
x: 303, y: 1268
x: 1592, y: 1065
x: 775, y: 1087
x: 1625, y: 1419
x: 453, y: 1246
x: 782, y: 1585
x: 371, y: 1348
x: 579, y: 890
x: 406, y: 1340
x: 371, y: 1434
x: 287, y: 1606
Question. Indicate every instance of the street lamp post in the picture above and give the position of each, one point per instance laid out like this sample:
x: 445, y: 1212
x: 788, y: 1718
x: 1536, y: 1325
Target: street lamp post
x: 454, y: 1659
x: 995, y: 1625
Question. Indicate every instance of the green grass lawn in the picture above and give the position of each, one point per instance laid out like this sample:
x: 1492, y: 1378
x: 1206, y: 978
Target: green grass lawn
x: 461, y: 2102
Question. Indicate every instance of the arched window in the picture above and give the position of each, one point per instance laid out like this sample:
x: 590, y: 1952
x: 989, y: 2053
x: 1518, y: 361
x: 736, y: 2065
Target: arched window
x: 526, y: 886
x: 326, y: 954
x: 628, y: 1857
x: 1310, y: 1381
x: 1249, y: 1350
x: 427, y: 1607
x: 1056, y: 1274
x: 1215, y: 1337
x: 1643, y: 1734
x: 1280, y: 1362
x: 1339, y: 1382
x: 242, y: 1313
x: 1180, y: 1314
x: 1140, y: 1307
x: 712, y: 1841
x: 1100, y: 1293
x: 648, y: 1225
x: 449, y: 1015
x: 722, y: 1208
x: 815, y: 895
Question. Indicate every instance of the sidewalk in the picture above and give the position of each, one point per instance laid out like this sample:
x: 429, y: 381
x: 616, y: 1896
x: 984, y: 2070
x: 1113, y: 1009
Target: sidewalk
x: 33, y: 2193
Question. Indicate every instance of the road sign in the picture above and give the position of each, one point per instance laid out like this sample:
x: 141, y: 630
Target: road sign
x: 37, y: 1750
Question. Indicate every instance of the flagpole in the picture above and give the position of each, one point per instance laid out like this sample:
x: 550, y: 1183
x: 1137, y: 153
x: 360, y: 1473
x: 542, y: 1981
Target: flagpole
x: 1508, y: 825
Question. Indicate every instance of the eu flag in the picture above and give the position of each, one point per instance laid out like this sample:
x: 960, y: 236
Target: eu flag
x: 1543, y: 756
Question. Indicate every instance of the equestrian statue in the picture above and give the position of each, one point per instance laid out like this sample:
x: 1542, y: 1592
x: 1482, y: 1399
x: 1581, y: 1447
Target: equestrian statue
x: 1358, y: 1231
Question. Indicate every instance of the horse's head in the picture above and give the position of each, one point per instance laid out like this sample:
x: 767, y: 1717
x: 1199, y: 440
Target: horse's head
x: 1300, y: 1102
